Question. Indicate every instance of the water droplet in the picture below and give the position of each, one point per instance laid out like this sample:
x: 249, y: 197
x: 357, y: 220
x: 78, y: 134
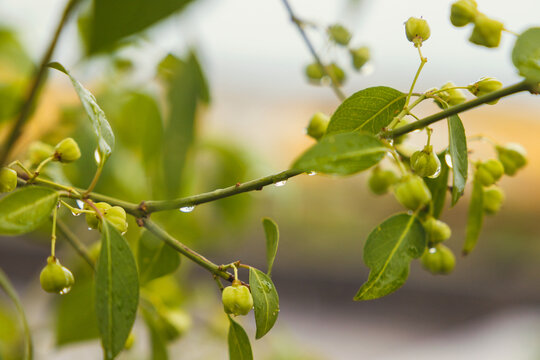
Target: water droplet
x: 312, y: 173
x: 75, y: 213
x: 90, y: 229
x: 187, y: 209
x: 437, y: 173
x: 267, y: 287
x: 65, y: 290
x: 448, y: 159
x: 97, y: 156
x: 80, y: 204
x: 281, y: 183
x: 432, y: 250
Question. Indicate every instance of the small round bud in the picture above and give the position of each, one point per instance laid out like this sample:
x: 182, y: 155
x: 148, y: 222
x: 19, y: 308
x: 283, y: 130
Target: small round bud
x: 412, y: 192
x: 314, y: 72
x: 452, y: 96
x: 512, y: 156
x: 380, y: 180
x: 55, y: 278
x: 39, y: 151
x: 67, y: 151
x: 417, y: 31
x: 174, y: 323
x: 317, y: 125
x: 116, y: 216
x: 360, y: 56
x: 489, y: 172
x: 8, y: 180
x: 485, y: 86
x: 436, y: 230
x: 438, y: 260
x: 339, y: 34
x: 425, y: 163
x: 336, y: 73
x: 486, y: 32
x: 463, y: 12
x: 493, y: 199
x: 92, y: 219
x: 237, y: 299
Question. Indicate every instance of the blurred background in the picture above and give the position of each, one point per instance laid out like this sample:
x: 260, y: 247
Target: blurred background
x: 251, y: 125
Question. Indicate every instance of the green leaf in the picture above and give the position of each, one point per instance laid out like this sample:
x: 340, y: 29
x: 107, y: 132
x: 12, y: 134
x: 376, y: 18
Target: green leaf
x: 239, y: 346
x: 184, y: 94
x: 342, y: 154
x: 155, y: 258
x: 8, y: 288
x: 439, y: 187
x: 368, y: 110
x: 114, y: 20
x: 26, y: 209
x: 388, y: 252
x: 457, y: 148
x: 72, y: 324
x: 526, y: 54
x: 475, y: 217
x: 265, y: 301
x: 116, y: 290
x: 101, y: 126
x: 272, y: 240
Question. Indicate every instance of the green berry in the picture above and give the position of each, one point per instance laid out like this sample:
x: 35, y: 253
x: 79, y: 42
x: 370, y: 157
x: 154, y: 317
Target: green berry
x: 174, y: 323
x: 39, y: 151
x: 425, y: 162
x: 55, y: 278
x: 486, y: 32
x: 412, y: 192
x: 314, y: 72
x: 436, y: 230
x: 336, y: 73
x: 317, y: 125
x: 463, y: 12
x: 438, y: 260
x: 493, y: 199
x: 8, y: 180
x: 339, y: 34
x: 237, y: 299
x: 380, y: 180
x: 92, y: 219
x: 512, y: 156
x: 485, y: 86
x: 67, y: 151
x: 360, y: 56
x: 417, y: 31
x: 452, y: 96
x: 489, y: 172
x: 116, y: 216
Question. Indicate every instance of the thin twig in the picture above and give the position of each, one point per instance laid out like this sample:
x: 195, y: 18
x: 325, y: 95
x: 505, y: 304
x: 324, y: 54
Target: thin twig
x: 74, y: 241
x: 334, y: 84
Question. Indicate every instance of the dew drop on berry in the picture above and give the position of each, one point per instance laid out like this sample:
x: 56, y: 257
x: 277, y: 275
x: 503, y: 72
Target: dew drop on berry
x: 65, y: 290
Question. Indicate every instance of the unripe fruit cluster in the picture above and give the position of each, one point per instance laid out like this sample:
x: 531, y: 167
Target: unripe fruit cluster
x: 412, y: 192
x: 380, y: 180
x: 450, y: 95
x: 237, y: 299
x: 512, y: 156
x: 486, y: 32
x: 485, y: 86
x: 436, y: 230
x: 67, y: 151
x: 317, y: 125
x: 417, y: 31
x: 55, y: 278
x: 425, y: 162
x: 489, y: 172
x: 438, y: 260
x: 8, y: 179
x: 115, y: 215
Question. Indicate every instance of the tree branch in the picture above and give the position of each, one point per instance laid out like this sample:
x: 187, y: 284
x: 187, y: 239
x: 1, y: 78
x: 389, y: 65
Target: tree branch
x: 334, y: 84
x: 39, y: 79
x: 184, y: 250
x: 257, y: 184
x: 521, y: 86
